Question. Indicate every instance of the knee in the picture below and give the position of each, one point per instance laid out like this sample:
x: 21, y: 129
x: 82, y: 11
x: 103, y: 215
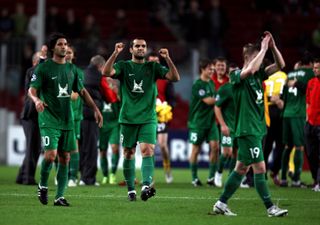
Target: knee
x: 147, y: 150
x: 128, y: 153
x: 64, y: 158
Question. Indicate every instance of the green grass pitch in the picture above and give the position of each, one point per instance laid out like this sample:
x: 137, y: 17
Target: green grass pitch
x: 178, y: 203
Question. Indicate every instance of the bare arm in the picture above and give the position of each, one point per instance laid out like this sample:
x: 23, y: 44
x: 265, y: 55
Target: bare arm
x: 209, y: 100
x: 88, y: 100
x: 224, y: 128
x: 108, y: 67
x: 173, y: 74
x: 254, y: 65
x: 40, y: 105
x: 74, y: 96
x: 277, y: 56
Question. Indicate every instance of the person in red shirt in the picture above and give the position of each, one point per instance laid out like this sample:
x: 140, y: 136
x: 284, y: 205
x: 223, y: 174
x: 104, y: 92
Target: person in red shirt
x: 165, y: 93
x: 312, y: 127
x: 220, y: 77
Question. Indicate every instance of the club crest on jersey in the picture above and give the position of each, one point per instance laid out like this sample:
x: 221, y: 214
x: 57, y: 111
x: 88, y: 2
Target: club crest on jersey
x: 107, y: 107
x: 33, y: 77
x: 63, y: 92
x: 259, y: 99
x: 137, y: 87
x: 202, y: 92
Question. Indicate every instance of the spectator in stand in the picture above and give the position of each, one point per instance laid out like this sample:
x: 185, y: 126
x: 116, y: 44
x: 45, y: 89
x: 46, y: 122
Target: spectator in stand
x: 91, y: 32
x: 53, y: 20
x: 217, y: 25
x: 72, y: 27
x: 20, y: 21
x: 6, y: 25
x: 120, y: 26
x: 312, y: 127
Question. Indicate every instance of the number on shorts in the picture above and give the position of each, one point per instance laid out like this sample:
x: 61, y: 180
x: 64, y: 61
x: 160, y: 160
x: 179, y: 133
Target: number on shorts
x: 254, y: 152
x: 194, y: 137
x: 46, y: 140
x: 226, y: 140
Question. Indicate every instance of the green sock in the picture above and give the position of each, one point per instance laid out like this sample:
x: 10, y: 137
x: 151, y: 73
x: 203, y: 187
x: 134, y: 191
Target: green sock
x: 147, y: 170
x: 262, y: 189
x: 212, y: 169
x: 232, y: 184
x: 284, y: 163
x: 44, y: 173
x: 114, y: 162
x: 298, y: 162
x: 222, y: 161
x: 129, y: 172
x: 62, y: 177
x: 232, y: 164
x: 194, y: 170
x: 104, y: 166
x: 74, y: 165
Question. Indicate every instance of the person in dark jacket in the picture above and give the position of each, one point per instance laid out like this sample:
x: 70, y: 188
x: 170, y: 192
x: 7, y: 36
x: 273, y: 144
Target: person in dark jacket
x: 89, y: 129
x: 29, y: 121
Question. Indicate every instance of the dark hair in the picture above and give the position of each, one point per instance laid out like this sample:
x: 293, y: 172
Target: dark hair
x: 220, y: 59
x: 52, y: 41
x: 152, y: 54
x: 204, y: 63
x: 306, y: 59
x: 131, y: 42
x: 316, y: 60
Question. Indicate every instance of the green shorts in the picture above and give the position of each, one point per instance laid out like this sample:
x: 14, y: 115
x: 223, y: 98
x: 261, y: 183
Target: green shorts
x: 77, y: 128
x: 130, y: 134
x: 227, y: 141
x: 250, y: 149
x: 61, y: 140
x: 109, y: 136
x: 198, y: 136
x: 293, y: 131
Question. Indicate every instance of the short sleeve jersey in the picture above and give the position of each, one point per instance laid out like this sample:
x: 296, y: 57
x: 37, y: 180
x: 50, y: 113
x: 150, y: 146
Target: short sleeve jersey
x: 138, y: 90
x: 201, y: 115
x: 249, y: 103
x: 54, y: 83
x: 295, y: 100
x: 224, y: 100
x: 77, y: 105
x: 274, y: 85
x: 110, y: 113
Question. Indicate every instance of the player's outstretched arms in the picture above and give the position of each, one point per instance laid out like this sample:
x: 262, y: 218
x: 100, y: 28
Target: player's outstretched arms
x: 173, y: 74
x: 108, y: 66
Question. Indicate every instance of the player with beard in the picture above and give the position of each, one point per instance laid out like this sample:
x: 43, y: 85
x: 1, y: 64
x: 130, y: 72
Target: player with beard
x: 50, y: 90
x: 138, y: 119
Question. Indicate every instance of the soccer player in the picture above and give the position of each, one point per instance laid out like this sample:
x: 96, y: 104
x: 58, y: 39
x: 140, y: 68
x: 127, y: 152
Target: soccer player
x: 294, y: 117
x: 77, y: 112
x: 250, y: 124
x: 165, y: 93
x: 50, y: 90
x: 274, y: 87
x: 220, y: 75
x: 312, y: 128
x: 201, y: 122
x: 138, y: 121
x: 224, y: 110
x: 110, y: 134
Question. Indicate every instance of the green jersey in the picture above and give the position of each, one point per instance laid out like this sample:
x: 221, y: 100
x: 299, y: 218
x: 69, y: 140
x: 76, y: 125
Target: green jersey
x: 54, y: 83
x: 295, y: 99
x: 138, y: 90
x: 110, y: 113
x: 201, y: 115
x: 249, y: 104
x: 77, y: 105
x: 224, y: 100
